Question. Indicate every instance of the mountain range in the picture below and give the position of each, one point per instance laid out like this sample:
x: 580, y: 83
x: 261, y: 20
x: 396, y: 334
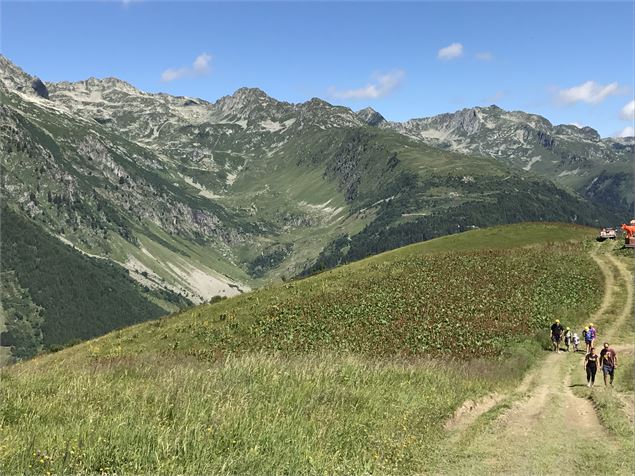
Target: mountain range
x: 179, y: 200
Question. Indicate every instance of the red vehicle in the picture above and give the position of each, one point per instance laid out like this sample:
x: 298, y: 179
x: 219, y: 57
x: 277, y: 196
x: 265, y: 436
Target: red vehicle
x: 629, y: 239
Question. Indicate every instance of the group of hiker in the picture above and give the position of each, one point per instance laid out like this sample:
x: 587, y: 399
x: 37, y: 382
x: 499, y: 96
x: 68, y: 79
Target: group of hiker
x: 606, y: 359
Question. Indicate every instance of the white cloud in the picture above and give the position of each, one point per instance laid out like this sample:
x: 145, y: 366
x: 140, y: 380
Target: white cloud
x: 383, y: 84
x: 200, y: 67
x: 589, y: 92
x: 577, y: 124
x: 626, y: 132
x: 628, y: 111
x: 484, y: 56
x: 455, y: 50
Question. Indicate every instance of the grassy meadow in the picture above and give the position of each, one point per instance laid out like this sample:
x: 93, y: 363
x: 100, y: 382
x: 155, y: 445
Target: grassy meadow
x: 352, y: 371
x: 249, y: 414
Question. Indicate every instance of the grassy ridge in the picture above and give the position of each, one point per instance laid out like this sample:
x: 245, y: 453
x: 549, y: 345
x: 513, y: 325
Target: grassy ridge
x: 248, y: 386
x: 419, y: 299
x: 465, y: 303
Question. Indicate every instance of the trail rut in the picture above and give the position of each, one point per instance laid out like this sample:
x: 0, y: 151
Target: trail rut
x: 547, y: 427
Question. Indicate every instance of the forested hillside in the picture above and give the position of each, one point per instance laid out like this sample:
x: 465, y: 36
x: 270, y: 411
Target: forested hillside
x: 55, y: 294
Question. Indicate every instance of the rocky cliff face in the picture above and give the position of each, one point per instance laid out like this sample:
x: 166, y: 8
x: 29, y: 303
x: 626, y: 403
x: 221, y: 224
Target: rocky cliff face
x: 370, y: 116
x: 39, y: 88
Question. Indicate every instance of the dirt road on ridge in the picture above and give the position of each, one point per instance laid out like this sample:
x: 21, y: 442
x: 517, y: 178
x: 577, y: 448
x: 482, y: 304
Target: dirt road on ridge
x: 547, y: 429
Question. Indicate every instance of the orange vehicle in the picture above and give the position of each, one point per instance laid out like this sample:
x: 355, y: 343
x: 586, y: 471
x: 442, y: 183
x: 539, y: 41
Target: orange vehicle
x: 629, y: 240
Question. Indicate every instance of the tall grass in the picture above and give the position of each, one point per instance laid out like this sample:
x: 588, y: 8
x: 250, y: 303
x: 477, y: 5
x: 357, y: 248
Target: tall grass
x: 353, y: 371
x: 250, y: 414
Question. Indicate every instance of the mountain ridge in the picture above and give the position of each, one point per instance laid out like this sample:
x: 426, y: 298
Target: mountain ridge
x: 211, y: 199
x: 258, y: 92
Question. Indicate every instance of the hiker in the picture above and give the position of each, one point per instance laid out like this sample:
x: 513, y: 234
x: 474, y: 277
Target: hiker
x: 567, y: 339
x: 591, y: 366
x: 594, y: 333
x: 587, y: 339
x: 576, y: 342
x: 608, y: 362
x: 556, y: 333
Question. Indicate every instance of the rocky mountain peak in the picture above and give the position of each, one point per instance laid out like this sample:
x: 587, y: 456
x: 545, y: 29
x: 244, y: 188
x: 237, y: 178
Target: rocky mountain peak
x: 591, y: 133
x: 244, y: 101
x: 316, y: 103
x: 370, y: 116
x: 468, y: 120
x: 250, y: 93
x: 575, y: 132
x: 14, y: 78
x: 98, y: 85
x: 40, y: 88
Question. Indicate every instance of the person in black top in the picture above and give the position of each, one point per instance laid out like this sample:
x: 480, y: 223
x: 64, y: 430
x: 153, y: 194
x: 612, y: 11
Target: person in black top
x: 556, y: 335
x: 591, y: 365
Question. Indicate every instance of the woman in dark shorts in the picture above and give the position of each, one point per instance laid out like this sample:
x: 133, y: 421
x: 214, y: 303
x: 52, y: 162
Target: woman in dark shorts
x: 591, y: 366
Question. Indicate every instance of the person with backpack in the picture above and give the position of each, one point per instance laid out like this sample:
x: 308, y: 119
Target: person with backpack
x: 594, y: 333
x: 556, y: 335
x: 567, y: 339
x: 591, y: 366
x: 608, y: 362
x: 587, y: 339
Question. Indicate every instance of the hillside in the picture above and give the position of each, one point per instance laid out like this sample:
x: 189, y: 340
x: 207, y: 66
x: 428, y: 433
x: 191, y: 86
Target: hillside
x: 577, y: 157
x: 203, y: 199
x: 474, y: 300
x: 53, y: 294
x: 346, y: 372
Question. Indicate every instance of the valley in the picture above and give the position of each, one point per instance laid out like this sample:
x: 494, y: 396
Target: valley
x: 197, y: 200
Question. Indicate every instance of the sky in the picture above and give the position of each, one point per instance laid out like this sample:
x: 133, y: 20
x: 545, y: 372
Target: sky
x: 572, y: 62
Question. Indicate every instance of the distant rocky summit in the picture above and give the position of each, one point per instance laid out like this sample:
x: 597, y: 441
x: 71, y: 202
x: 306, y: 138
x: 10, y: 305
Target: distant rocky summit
x: 40, y: 89
x: 370, y: 116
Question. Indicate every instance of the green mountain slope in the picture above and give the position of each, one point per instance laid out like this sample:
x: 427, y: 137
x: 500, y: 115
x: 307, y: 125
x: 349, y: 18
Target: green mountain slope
x: 347, y: 372
x: 211, y: 199
x: 500, y: 284
x: 577, y: 157
x: 52, y: 294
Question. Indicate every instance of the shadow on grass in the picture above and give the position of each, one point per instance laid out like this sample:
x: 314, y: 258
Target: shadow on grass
x: 562, y: 351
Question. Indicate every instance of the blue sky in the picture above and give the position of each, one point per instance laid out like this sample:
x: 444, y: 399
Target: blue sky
x: 572, y: 62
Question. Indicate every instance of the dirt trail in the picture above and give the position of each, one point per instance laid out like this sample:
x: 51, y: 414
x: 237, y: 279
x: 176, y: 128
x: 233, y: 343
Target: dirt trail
x: 546, y: 428
x: 627, y: 309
